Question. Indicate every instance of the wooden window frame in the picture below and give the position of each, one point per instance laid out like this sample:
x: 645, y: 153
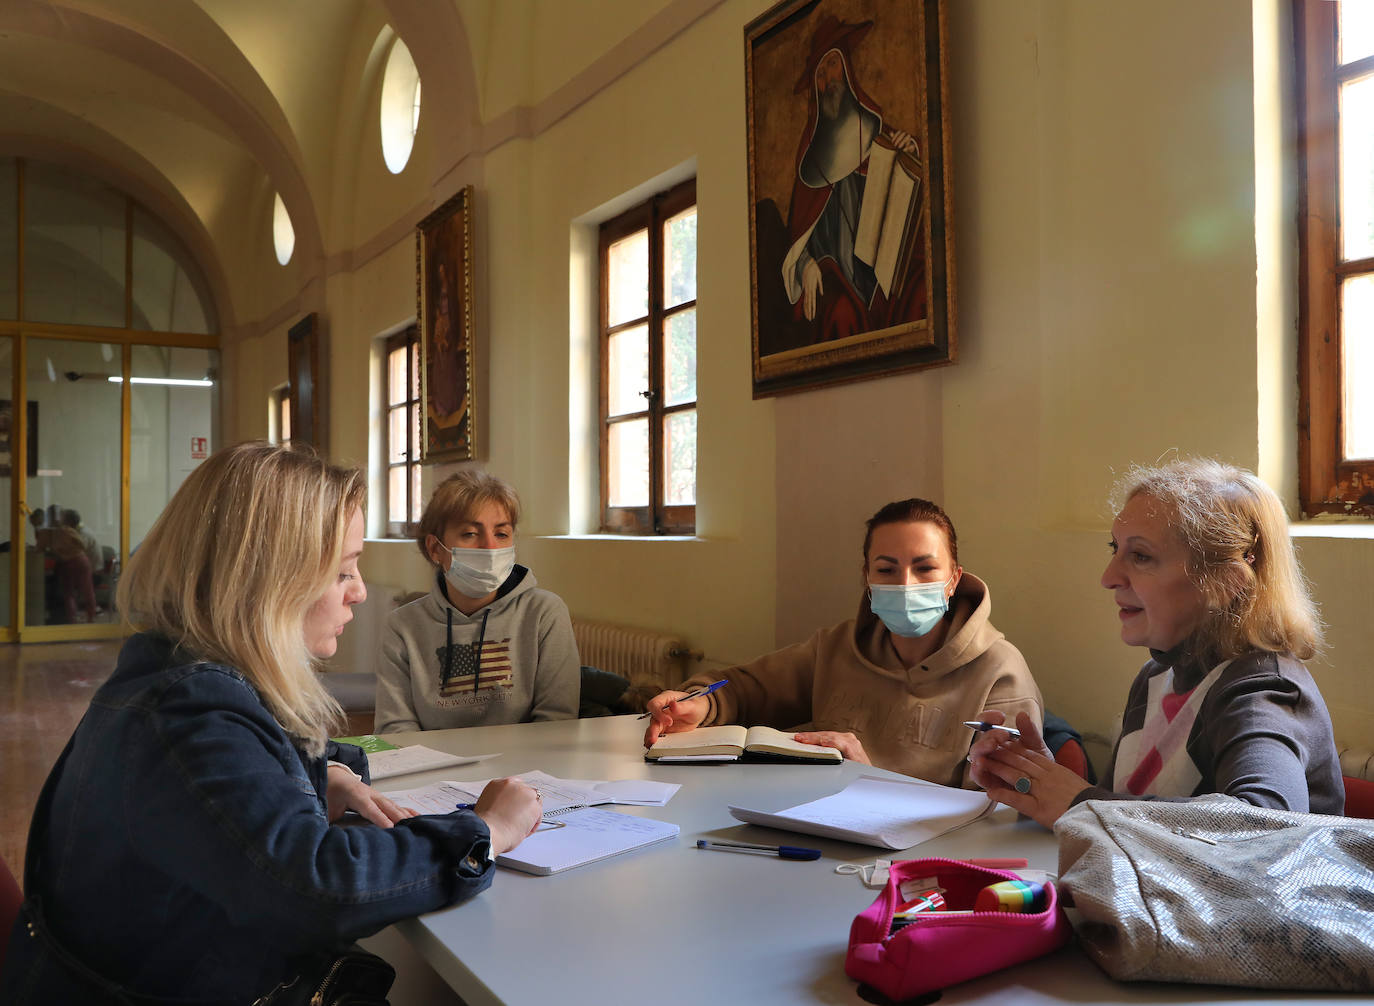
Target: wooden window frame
x: 1321, y: 267
x: 657, y: 517
x: 281, y: 414
x: 407, y: 339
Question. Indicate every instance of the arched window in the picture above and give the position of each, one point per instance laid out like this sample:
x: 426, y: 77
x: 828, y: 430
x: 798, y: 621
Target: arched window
x: 93, y: 256
x: 283, y: 234
x: 400, y: 107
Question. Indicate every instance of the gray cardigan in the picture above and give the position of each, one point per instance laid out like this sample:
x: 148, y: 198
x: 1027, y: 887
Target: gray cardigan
x: 1262, y: 733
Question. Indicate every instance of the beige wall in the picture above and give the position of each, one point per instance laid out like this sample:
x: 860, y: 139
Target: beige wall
x: 1110, y: 184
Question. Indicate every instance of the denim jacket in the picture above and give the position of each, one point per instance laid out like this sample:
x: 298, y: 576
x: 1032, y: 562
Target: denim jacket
x: 186, y: 854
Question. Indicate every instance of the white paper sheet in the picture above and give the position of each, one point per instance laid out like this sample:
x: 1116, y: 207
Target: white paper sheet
x: 587, y: 836
x: 415, y: 758
x: 632, y: 792
x: 887, y: 813
x: 560, y: 793
x: 436, y: 798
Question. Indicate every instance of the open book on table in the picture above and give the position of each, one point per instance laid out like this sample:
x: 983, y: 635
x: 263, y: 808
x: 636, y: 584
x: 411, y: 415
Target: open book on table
x: 888, y: 813
x: 732, y: 743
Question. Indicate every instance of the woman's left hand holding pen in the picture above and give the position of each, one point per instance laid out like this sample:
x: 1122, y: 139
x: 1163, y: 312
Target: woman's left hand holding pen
x: 1021, y: 771
x: 987, y: 741
x: 672, y: 712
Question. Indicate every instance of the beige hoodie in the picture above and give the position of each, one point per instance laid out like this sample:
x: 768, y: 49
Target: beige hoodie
x: 909, y: 720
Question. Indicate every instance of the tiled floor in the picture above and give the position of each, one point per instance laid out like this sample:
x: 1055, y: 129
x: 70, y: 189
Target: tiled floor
x: 44, y: 690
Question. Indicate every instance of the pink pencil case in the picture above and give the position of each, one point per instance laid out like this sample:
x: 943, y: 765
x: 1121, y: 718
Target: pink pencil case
x: 938, y: 949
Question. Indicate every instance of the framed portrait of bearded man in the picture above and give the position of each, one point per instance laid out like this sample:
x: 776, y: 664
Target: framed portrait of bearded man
x: 850, y: 231
x: 443, y: 287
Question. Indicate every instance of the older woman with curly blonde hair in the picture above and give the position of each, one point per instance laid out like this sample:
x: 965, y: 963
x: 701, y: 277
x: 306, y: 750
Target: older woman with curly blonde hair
x: 1203, y: 573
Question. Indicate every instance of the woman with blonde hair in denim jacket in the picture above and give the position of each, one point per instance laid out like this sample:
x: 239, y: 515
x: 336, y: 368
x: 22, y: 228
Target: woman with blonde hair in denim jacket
x: 189, y: 844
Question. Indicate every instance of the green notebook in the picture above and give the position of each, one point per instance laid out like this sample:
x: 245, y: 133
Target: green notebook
x: 368, y: 742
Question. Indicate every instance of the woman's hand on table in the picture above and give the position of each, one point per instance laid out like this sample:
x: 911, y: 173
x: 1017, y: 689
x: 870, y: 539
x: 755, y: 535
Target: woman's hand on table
x: 511, y: 809
x: 850, y: 746
x: 347, y: 792
x: 1000, y: 762
x: 672, y: 716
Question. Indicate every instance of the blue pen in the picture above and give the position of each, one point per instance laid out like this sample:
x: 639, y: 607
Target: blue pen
x: 465, y: 806
x: 983, y: 727
x: 696, y: 694
x: 780, y: 851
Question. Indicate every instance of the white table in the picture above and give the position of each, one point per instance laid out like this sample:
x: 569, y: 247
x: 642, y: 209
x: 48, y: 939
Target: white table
x: 672, y: 924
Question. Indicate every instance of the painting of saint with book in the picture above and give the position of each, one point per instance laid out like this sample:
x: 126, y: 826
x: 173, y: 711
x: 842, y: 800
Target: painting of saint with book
x: 852, y: 266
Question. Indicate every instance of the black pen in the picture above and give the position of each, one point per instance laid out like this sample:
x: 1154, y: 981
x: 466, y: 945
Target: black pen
x: 780, y: 851
x: 983, y: 727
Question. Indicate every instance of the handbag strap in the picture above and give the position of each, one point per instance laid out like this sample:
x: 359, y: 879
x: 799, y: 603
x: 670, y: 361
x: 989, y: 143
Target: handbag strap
x: 316, y: 983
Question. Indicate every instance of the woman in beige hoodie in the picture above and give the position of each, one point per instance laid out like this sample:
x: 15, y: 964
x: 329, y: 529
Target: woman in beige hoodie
x: 892, y: 686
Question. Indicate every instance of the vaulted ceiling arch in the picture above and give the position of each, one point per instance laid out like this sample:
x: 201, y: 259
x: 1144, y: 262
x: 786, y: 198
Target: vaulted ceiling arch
x: 197, y: 61
x: 81, y: 146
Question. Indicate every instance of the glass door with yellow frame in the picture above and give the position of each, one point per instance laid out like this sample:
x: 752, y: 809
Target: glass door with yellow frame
x: 11, y: 563
x: 72, y: 510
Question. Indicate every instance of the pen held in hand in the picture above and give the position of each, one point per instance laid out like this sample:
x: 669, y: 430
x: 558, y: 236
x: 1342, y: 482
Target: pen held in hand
x: 695, y: 694
x: 778, y: 851
x: 983, y: 727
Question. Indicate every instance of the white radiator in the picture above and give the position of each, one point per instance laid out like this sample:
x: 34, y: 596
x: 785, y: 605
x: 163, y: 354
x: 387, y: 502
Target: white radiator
x: 644, y: 656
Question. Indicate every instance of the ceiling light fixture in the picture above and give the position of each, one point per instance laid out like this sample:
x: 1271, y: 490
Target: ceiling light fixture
x: 181, y: 382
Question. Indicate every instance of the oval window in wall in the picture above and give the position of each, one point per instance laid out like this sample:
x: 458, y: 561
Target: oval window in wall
x: 283, y: 234
x: 400, y: 107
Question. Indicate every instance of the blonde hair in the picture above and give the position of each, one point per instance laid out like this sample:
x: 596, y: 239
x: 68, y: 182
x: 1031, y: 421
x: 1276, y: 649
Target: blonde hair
x: 245, y: 547
x: 457, y: 497
x: 1240, y: 557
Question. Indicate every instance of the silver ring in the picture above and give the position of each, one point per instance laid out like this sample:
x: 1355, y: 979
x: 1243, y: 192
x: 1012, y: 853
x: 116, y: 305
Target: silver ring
x: 1023, y: 785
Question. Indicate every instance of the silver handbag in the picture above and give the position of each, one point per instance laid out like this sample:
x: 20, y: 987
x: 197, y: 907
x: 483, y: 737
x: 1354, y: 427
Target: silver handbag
x: 1219, y: 892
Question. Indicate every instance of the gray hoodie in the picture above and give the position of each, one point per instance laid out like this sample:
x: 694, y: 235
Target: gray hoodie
x: 512, y: 661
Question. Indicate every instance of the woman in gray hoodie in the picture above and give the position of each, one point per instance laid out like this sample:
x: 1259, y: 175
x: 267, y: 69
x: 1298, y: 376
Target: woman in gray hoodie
x: 486, y: 645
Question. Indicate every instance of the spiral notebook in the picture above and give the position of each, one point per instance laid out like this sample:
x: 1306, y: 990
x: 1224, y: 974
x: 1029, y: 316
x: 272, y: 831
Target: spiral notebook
x: 587, y: 835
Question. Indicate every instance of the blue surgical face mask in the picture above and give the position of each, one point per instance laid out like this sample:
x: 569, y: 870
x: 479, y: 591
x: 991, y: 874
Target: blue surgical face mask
x: 908, y: 609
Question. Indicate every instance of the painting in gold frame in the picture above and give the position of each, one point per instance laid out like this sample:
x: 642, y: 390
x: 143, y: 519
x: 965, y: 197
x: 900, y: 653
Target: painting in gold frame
x: 850, y: 230
x: 443, y: 265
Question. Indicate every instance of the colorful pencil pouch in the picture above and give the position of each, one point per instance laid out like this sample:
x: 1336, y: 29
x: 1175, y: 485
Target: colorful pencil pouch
x: 939, y: 948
